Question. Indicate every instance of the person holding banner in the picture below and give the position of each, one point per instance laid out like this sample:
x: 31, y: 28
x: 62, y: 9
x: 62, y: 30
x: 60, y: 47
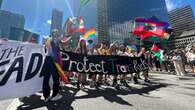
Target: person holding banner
x: 103, y: 50
x: 132, y: 53
x: 114, y: 51
x: 122, y: 52
x: 93, y: 83
x: 142, y: 55
x: 81, y: 49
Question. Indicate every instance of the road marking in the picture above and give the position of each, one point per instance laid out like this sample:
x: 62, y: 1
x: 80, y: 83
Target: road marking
x: 14, y: 104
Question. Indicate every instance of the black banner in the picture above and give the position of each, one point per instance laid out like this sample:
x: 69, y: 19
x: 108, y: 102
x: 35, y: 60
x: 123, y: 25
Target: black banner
x: 102, y: 64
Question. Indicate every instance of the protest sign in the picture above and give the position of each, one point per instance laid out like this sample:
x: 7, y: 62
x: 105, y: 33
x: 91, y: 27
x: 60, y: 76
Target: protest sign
x: 102, y: 64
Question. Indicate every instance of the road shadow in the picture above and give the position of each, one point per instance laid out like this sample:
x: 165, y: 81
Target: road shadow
x: 112, y: 95
x: 190, y: 84
x: 108, y: 94
x: 69, y: 95
x: 191, y: 88
x: 35, y: 102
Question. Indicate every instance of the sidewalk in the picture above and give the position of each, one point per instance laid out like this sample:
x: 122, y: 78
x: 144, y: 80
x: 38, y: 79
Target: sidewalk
x: 187, y: 76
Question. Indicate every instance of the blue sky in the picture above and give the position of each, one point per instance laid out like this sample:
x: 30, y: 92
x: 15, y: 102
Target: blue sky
x: 37, y: 13
x: 172, y: 4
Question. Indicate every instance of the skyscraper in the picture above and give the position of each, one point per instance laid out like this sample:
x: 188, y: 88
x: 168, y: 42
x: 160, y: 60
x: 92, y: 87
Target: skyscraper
x: 9, y: 20
x: 23, y: 35
x: 183, y: 24
x: 102, y: 21
x: 57, y: 19
x: 114, y: 16
x: 1, y: 1
x: 181, y: 19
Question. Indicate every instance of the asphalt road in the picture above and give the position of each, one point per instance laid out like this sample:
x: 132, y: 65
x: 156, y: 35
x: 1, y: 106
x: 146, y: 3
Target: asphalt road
x: 166, y: 92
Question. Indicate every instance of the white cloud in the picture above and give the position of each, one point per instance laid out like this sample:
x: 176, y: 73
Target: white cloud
x: 173, y: 4
x: 29, y: 29
x: 45, y: 36
x: 170, y: 5
x: 49, y: 22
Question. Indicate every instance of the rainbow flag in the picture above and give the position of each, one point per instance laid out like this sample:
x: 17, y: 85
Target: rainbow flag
x: 91, y: 34
x: 90, y: 37
x: 55, y: 53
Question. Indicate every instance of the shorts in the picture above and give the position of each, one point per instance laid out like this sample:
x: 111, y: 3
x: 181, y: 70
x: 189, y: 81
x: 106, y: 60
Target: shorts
x: 192, y: 63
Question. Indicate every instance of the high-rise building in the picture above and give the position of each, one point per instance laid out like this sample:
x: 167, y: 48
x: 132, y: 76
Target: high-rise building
x: 57, y: 19
x: 181, y: 19
x: 183, y: 40
x: 183, y: 24
x: 8, y: 20
x: 113, y: 16
x: 23, y: 35
x: 30, y: 37
x: 16, y: 34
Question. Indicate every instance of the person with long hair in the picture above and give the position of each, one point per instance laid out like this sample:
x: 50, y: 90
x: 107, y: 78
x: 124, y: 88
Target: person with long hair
x: 103, y: 50
x: 93, y: 51
x: 114, y: 51
x: 81, y: 49
x: 123, y: 52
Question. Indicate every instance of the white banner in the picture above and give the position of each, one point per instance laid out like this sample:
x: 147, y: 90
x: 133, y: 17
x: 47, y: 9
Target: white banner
x: 20, y: 67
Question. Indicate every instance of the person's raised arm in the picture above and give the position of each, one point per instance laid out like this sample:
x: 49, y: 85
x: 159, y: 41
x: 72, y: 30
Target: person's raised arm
x: 65, y: 39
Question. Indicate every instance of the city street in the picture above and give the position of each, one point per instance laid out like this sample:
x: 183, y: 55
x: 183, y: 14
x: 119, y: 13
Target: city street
x: 166, y: 92
x: 97, y: 55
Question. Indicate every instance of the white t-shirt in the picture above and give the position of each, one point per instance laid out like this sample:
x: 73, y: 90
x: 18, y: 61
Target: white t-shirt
x: 190, y: 56
x: 177, y: 58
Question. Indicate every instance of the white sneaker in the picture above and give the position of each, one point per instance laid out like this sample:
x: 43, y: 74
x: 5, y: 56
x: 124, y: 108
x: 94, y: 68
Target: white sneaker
x: 57, y: 97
